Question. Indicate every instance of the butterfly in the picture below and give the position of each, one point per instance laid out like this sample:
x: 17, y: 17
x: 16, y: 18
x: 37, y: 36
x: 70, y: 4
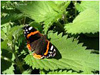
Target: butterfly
x: 38, y: 43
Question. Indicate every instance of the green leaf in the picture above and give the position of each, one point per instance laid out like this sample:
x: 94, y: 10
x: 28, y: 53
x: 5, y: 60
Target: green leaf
x: 7, y: 59
x: 3, y: 3
x: 5, y: 48
x: 15, y: 31
x: 59, y: 2
x: 36, y: 26
x: 6, y: 51
x: 86, y: 5
x: 7, y: 31
x: 35, y: 10
x: 5, y: 27
x: 11, y: 17
x: 7, y: 65
x: 4, y: 45
x: 60, y: 5
x: 58, y: 72
x: 27, y: 71
x: 42, y: 11
x: 10, y: 70
x: 86, y: 22
x: 3, y: 35
x: 73, y: 56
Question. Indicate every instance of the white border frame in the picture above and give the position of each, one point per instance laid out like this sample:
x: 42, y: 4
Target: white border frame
x: 52, y: 0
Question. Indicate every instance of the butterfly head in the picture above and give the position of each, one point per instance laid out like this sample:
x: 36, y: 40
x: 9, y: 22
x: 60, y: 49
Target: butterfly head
x: 28, y: 29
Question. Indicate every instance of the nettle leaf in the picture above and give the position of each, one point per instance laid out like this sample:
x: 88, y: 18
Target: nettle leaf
x: 3, y: 3
x: 7, y: 65
x: 70, y: 55
x: 7, y: 51
x: 87, y: 4
x: 7, y: 59
x: 4, y: 30
x: 36, y: 26
x: 7, y: 31
x: 58, y: 72
x: 11, y: 17
x: 3, y: 35
x: 42, y: 11
x: 5, y: 27
x: 58, y: 2
x: 27, y: 71
x: 4, y: 45
x: 10, y: 70
x: 86, y: 22
x: 15, y: 31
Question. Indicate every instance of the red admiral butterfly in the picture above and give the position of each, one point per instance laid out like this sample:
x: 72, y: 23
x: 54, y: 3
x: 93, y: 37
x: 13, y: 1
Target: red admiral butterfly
x: 38, y: 43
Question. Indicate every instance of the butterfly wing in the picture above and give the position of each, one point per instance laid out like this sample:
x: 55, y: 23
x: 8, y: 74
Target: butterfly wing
x: 39, y: 45
x: 43, y: 47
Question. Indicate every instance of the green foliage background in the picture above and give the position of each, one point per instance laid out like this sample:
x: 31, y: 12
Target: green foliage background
x: 71, y: 26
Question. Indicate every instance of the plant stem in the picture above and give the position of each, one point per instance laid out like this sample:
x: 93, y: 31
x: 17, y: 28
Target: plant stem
x: 75, y: 9
x: 19, y: 64
x: 60, y: 26
x: 7, y: 59
x: 65, y: 18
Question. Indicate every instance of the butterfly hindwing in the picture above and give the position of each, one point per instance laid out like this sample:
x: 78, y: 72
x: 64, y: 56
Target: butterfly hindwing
x: 39, y: 46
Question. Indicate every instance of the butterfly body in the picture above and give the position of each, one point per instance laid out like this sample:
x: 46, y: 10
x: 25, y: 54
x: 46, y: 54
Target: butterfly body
x: 38, y: 43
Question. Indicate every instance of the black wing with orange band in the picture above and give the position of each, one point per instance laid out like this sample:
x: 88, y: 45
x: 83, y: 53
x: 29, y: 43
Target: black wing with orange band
x: 38, y: 43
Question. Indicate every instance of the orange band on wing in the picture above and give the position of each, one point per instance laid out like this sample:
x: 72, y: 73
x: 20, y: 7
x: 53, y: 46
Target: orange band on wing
x: 47, y: 48
x: 32, y: 33
x: 28, y: 46
x: 36, y: 56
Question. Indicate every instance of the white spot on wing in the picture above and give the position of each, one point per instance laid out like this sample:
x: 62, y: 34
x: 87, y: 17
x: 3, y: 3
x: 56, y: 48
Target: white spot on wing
x: 30, y: 28
x: 54, y: 54
x: 51, y: 48
x: 54, y: 50
x: 26, y: 30
x: 50, y: 55
x: 49, y: 52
